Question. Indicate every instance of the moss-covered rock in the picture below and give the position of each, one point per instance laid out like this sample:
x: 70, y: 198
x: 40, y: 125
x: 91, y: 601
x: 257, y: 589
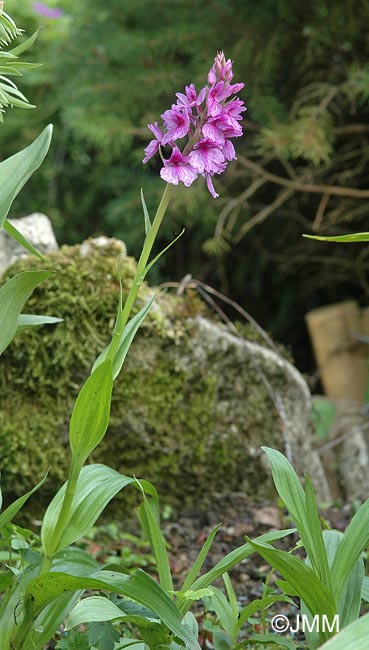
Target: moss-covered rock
x: 189, y: 409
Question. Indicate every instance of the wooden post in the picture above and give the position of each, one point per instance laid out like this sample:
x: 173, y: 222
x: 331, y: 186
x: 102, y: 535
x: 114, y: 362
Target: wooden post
x: 341, y: 359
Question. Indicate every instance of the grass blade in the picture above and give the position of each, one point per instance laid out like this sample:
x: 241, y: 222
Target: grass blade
x: 196, y: 568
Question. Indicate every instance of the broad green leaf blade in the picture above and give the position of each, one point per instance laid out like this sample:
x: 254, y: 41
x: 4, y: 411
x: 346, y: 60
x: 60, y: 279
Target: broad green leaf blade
x: 196, y: 568
x: 126, y: 339
x: 15, y: 234
x: 350, y: 599
x: 73, y: 561
x: 139, y: 587
x: 287, y: 483
x: 302, y: 509
x: 319, y: 560
x: 13, y: 294
x: 302, y: 579
x: 218, y: 603
x: 353, y: 543
x: 95, y: 608
x: 43, y: 589
x: 144, y: 590
x: 97, y: 485
x: 34, y: 320
x: 353, y: 637
x: 157, y: 543
x: 146, y: 213
x: 16, y: 170
x: 357, y: 237
x: 91, y: 413
x: 14, y: 508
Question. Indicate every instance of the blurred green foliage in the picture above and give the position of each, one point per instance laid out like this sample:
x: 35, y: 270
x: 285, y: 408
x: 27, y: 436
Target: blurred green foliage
x: 110, y: 68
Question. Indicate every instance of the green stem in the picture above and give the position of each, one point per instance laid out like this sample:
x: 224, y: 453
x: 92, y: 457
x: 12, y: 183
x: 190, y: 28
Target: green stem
x: 64, y: 514
x: 142, y: 263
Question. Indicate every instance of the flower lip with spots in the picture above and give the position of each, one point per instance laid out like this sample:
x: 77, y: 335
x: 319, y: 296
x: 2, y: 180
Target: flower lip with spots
x: 208, y: 119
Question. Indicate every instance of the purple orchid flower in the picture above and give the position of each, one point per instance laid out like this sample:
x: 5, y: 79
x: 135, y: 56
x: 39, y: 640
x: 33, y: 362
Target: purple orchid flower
x: 208, y: 120
x: 47, y: 12
x: 178, y: 168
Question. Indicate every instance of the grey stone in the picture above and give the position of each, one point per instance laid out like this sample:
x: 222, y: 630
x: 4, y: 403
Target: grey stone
x: 286, y: 390
x: 89, y: 246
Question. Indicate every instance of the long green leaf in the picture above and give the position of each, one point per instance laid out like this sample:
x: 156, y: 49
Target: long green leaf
x: 73, y: 561
x: 91, y: 413
x: 126, y: 339
x: 16, y: 170
x: 157, y: 543
x: 319, y: 560
x: 220, y: 605
x: 146, y: 213
x: 99, y: 609
x: 353, y: 543
x: 13, y: 294
x: 357, y: 237
x: 97, y: 485
x: 14, y: 508
x: 350, y: 599
x: 232, y: 597
x: 303, y: 510
x: 287, y: 483
x: 302, y: 579
x: 158, y: 256
x: 34, y: 320
x: 144, y: 590
x: 138, y: 587
x: 196, y: 568
x: 348, y: 607
x: 94, y: 608
x: 15, y: 234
